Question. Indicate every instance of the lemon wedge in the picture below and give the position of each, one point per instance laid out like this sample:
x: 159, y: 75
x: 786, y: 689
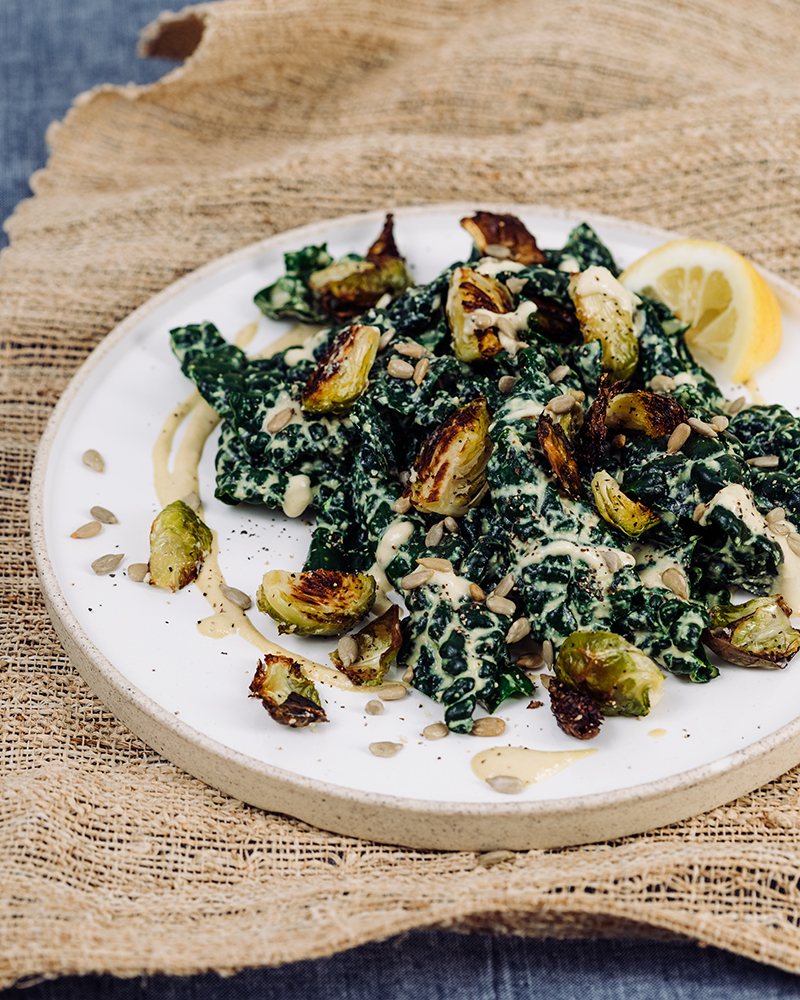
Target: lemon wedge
x: 734, y: 317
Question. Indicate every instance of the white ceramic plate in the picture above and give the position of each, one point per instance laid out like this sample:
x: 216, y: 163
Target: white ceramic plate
x: 186, y: 695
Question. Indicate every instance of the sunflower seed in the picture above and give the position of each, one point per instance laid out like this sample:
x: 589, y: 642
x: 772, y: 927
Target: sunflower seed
x: 400, y: 369
x: 775, y: 515
x: 561, y: 404
x: 578, y: 395
x: 698, y: 512
x: 736, y: 406
x: 94, y: 460
x: 434, y: 535
x: 548, y: 654
x: 720, y: 422
x: 678, y: 438
x: 506, y: 384
x: 495, y: 858
x: 101, y: 514
x: 488, y: 725
x: 476, y: 592
x: 386, y: 339
x: 506, y: 783
x: 676, y: 582
x: 87, y: 530
x: 451, y: 525
x: 780, y: 528
x: 662, y: 383
x: 236, y: 596
x: 421, y: 370
x: 137, y: 572
x: 410, y: 350
x: 515, y: 284
x: 408, y: 675
x: 519, y: 629
x: 435, y: 731
x: 558, y: 374
x: 401, y: 505
x: 545, y: 679
x: 280, y: 420
x: 618, y: 441
x: 391, y: 692
x: 107, y: 564
x: 531, y: 661
x: 702, y: 428
x: 374, y: 707
x: 440, y: 565
x: 496, y: 250
x: 347, y: 648
x: 505, y: 586
x: 385, y: 748
x: 500, y: 605
x: 764, y: 462
x: 794, y: 542
x: 416, y: 579
x: 612, y: 559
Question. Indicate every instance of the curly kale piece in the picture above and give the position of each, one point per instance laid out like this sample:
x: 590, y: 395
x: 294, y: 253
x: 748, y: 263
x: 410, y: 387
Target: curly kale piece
x: 458, y: 653
x: 290, y: 296
x: 586, y: 248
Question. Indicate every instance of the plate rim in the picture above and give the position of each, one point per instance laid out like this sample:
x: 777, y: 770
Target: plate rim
x: 752, y: 765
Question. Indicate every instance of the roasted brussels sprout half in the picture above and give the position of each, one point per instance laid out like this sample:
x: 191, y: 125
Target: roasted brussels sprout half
x: 349, y: 287
x: 553, y: 442
x: 449, y: 474
x: 286, y: 693
x: 757, y: 633
x: 503, y: 236
x: 376, y: 645
x: 474, y: 303
x: 591, y: 444
x: 618, y: 509
x: 576, y: 713
x: 605, y: 311
x: 645, y: 411
x: 179, y: 544
x: 343, y: 373
x: 317, y: 602
x: 617, y: 675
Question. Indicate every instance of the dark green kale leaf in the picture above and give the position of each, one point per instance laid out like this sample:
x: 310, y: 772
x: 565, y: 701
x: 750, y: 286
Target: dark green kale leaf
x: 290, y: 297
x: 585, y: 247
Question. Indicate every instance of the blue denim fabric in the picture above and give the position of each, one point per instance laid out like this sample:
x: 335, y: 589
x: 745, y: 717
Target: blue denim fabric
x: 51, y: 50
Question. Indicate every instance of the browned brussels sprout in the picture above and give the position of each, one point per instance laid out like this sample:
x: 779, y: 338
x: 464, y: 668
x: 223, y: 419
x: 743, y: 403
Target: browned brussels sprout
x: 645, y: 411
x: 349, y: 287
x: 286, y: 693
x: 449, y: 474
x: 503, y: 236
x: 553, y: 442
x: 373, y: 649
x: 591, y: 445
x: 473, y: 304
x: 618, y: 509
x: 317, y: 602
x: 576, y: 713
x: 343, y: 373
x: 757, y: 633
x: 605, y: 311
x: 619, y: 677
x: 179, y: 544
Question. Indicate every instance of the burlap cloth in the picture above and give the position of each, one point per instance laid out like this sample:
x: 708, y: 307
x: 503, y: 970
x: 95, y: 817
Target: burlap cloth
x: 685, y: 116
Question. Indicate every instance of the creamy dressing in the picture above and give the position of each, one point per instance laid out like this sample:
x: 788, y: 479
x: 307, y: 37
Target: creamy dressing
x: 297, y: 496
x: 570, y: 265
x: 300, y: 341
x: 650, y: 564
x: 522, y: 409
x: 530, y: 766
x: 182, y: 479
x: 657, y: 733
x: 600, y: 281
x: 492, y: 266
x: 392, y: 540
x: 455, y: 588
x: 684, y: 378
x: 508, y: 325
x: 589, y: 554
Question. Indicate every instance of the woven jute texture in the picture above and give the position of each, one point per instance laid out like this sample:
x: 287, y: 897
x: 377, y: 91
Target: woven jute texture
x: 686, y: 116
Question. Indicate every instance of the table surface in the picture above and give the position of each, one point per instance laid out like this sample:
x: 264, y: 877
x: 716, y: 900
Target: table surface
x: 52, y: 50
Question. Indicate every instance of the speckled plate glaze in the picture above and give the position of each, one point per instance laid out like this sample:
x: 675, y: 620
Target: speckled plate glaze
x: 185, y: 695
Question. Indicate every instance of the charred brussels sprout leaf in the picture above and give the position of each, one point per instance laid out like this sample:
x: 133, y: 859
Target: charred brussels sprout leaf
x: 605, y: 311
x: 377, y: 646
x: 449, y: 474
x: 286, y: 693
x: 179, y: 544
x: 645, y: 411
x: 617, y: 675
x: 318, y: 602
x: 351, y: 286
x: 553, y: 442
x: 757, y: 633
x: 576, y: 713
x: 503, y: 236
x: 618, y: 509
x: 475, y: 302
x: 343, y: 373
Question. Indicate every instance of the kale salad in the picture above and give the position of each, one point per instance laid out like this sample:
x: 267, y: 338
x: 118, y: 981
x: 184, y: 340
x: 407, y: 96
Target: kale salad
x: 517, y: 467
